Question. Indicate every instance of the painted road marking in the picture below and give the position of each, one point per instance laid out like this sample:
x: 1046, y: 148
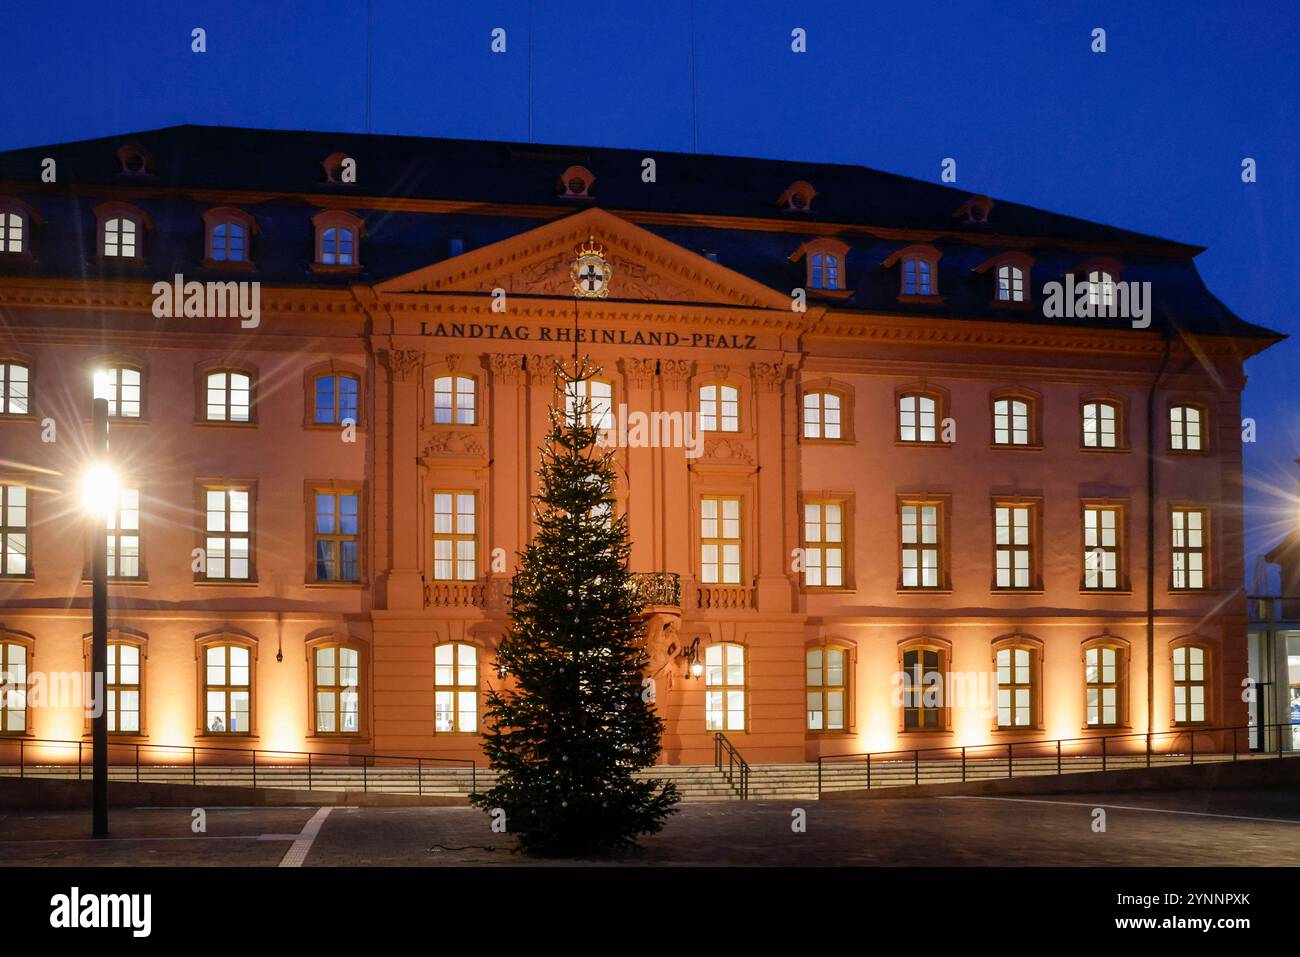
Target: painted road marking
x: 297, y: 852
x: 1117, y: 807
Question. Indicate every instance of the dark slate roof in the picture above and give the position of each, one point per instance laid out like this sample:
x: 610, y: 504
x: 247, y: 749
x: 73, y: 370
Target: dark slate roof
x: 286, y: 163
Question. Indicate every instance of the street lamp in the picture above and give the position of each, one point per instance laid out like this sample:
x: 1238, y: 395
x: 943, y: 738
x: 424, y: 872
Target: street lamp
x: 99, y: 494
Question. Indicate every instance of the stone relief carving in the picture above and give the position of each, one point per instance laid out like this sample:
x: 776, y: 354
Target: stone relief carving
x: 453, y: 443
x: 404, y: 364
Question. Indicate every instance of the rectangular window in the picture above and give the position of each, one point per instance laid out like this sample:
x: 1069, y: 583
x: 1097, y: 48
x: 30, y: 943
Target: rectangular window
x: 13, y: 531
x: 123, y: 682
x: 1101, y: 546
x: 821, y: 415
x: 823, y: 536
x: 1011, y: 422
x: 1100, y: 426
x: 1015, y: 688
x: 1014, y: 528
x: 1189, y: 684
x: 720, y: 540
x: 13, y: 388
x: 337, y: 536
x: 1101, y: 684
x: 724, y: 682
x: 336, y: 399
x: 1188, y: 555
x: 13, y: 687
x: 719, y: 408
x: 1185, y: 428
x: 455, y: 541
x: 123, y: 389
x: 453, y: 400
x: 921, y: 559
x: 123, y: 525
x: 229, y: 533
x: 922, y: 690
x: 455, y: 687
x: 828, y: 683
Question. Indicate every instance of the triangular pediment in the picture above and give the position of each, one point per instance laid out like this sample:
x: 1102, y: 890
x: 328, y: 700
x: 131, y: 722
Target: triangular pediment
x: 644, y: 267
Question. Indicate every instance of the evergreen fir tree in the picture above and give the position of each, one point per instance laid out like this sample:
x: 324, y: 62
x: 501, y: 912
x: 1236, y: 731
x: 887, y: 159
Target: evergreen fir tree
x: 567, y: 733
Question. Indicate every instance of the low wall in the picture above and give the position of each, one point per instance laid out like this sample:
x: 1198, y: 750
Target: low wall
x: 51, y: 792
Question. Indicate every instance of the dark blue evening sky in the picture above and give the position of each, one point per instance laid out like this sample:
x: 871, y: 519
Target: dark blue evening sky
x: 1149, y: 135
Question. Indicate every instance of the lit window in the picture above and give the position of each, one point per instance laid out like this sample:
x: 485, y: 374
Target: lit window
x: 1014, y: 545
x: 229, y: 534
x: 720, y: 540
x: 1101, y: 289
x: 1102, y: 686
x: 227, y: 689
x: 1185, y: 428
x: 13, y: 531
x: 1190, y: 669
x: 123, y: 525
x: 1011, y: 422
x: 918, y: 277
x: 921, y: 560
x: 455, y: 541
x: 338, y: 537
x: 336, y: 244
x: 821, y: 415
x: 724, y: 682
x: 1188, y: 556
x: 823, y: 535
x: 917, y: 418
x: 229, y: 397
x: 124, y: 392
x: 13, y: 687
x: 453, y: 400
x: 11, y: 232
x: 824, y: 271
x: 228, y: 243
x: 14, y: 388
x: 1101, y: 547
x: 120, y: 238
x: 455, y: 687
x: 338, y: 673
x: 922, y: 689
x: 336, y: 399
x: 1011, y: 284
x: 1015, y: 688
x: 719, y: 408
x: 123, y: 681
x: 595, y: 397
x: 827, y: 676
x: 1100, y: 425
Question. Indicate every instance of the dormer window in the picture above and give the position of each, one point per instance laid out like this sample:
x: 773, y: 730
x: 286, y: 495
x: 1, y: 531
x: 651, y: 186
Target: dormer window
x: 975, y: 210
x: 228, y: 236
x: 13, y: 230
x: 338, y: 240
x: 135, y: 160
x: 824, y: 259
x: 797, y: 198
x: 121, y: 231
x: 576, y: 182
x: 339, y: 168
x: 918, y: 272
x: 1100, y: 277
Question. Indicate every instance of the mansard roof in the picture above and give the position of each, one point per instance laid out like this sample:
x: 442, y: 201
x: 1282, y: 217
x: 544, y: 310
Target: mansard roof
x: 416, y: 195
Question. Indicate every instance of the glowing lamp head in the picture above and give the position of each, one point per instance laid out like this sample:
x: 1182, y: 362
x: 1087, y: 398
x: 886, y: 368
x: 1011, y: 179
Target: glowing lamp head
x: 103, y: 384
x: 100, y: 490
x: 697, y: 668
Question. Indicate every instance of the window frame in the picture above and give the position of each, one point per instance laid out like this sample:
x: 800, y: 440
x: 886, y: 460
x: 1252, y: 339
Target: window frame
x: 118, y: 364
x: 718, y: 415
x: 583, y: 386
x: 1207, y: 576
x: 455, y: 536
x: 106, y: 213
x: 726, y: 688
x: 1033, y: 407
x: 1121, y: 423
x: 224, y: 216
x: 1122, y: 650
x: 28, y: 218
x: 919, y: 253
x: 1012, y: 260
x: 1209, y: 672
x: 1121, y: 508
x: 201, y: 388
x: 28, y: 644
x: 225, y: 638
x: 336, y: 219
x: 1035, y: 506
x: 122, y: 637
x: 7, y: 482
x: 920, y: 500
x: 816, y: 249
x: 202, y: 487
x: 1184, y: 406
x: 844, y: 500
x: 338, y: 643
x: 920, y: 390
x: 721, y: 540
x: 824, y: 387
x: 100, y: 541
x: 455, y: 408
x: 9, y: 361
x: 312, y: 488
x: 849, y: 650
x: 332, y: 368
x: 921, y: 644
x: 1034, y: 647
x: 456, y: 689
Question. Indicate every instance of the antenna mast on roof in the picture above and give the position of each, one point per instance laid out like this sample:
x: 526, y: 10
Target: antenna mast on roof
x: 530, y: 71
x: 369, y: 56
x: 695, y: 115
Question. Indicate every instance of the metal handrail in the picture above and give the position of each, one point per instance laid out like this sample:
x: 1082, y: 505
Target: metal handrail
x: 270, y: 758
x: 1045, y: 745
x: 735, y: 764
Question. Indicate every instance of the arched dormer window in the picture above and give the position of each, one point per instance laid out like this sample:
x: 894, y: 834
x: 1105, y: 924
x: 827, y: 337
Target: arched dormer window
x: 825, y: 261
x: 338, y: 240
x: 135, y: 160
x: 575, y: 183
x: 455, y: 400
x: 121, y: 231
x: 1011, y: 278
x: 918, y: 272
x: 228, y: 234
x: 797, y: 198
x: 1100, y: 277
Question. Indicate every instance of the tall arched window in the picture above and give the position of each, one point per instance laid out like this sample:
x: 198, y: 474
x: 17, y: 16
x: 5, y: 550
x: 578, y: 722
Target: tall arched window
x: 227, y: 688
x: 724, y: 687
x: 923, y: 664
x: 14, y: 661
x: 336, y: 689
x: 1104, y: 674
x: 455, y: 687
x: 595, y: 397
x: 1191, y: 677
x: 719, y: 408
x: 123, y: 680
x: 454, y: 400
x: 827, y: 673
x: 1018, y: 668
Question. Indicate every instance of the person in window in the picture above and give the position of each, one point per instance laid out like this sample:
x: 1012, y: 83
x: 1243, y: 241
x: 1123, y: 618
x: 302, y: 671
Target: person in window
x: 217, y: 726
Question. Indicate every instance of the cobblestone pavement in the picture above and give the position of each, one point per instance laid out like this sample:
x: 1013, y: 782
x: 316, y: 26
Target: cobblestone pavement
x: 1222, y: 828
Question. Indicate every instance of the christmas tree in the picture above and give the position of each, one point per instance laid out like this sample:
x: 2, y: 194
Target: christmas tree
x: 574, y: 722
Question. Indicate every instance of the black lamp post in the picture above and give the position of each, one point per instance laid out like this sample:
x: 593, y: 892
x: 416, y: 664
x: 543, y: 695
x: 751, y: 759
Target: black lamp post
x: 99, y: 618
